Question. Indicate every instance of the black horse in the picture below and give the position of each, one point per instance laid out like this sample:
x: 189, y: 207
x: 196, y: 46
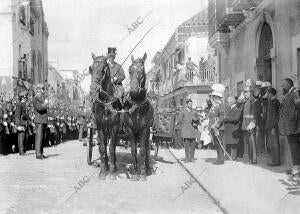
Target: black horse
x: 107, y: 118
x: 138, y: 116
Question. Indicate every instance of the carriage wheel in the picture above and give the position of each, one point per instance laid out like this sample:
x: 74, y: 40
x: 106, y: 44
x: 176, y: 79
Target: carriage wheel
x: 155, y: 147
x: 90, y: 147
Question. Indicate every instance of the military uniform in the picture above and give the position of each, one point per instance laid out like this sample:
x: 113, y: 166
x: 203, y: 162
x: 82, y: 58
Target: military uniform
x: 248, y: 126
x: 81, y: 121
x: 41, y: 121
x: 216, y: 116
x: 22, y: 117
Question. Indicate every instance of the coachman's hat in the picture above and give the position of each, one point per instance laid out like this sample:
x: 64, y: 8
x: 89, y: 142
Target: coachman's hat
x: 111, y: 51
x: 23, y: 94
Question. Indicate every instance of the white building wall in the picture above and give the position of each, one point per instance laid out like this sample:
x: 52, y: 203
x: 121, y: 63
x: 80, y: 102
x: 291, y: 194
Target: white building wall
x: 196, y: 47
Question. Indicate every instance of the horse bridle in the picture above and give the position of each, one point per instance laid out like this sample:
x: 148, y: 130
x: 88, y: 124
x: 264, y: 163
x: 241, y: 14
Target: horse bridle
x: 139, y: 61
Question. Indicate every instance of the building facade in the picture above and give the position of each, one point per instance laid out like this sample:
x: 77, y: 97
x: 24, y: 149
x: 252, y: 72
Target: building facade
x: 73, y: 93
x: 24, y: 44
x: 190, y: 40
x: 257, y: 39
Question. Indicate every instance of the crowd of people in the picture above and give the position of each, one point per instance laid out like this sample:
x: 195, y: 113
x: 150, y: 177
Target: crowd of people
x: 32, y: 121
x: 251, y: 123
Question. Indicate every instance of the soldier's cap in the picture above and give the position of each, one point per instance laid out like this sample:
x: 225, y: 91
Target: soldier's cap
x: 40, y: 85
x: 188, y: 100
x: 266, y: 84
x: 247, y: 89
x: 111, y: 51
x: 258, y: 83
x: 23, y: 94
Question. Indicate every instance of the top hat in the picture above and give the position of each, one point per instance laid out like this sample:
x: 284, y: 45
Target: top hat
x: 218, y: 89
x: 111, y: 51
x: 23, y: 94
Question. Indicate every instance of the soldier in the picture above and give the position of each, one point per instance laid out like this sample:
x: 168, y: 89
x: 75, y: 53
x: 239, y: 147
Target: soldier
x: 249, y: 124
x: 264, y: 103
x: 81, y: 121
x: 116, y: 72
x: 216, y: 116
x: 41, y: 119
x: 22, y: 117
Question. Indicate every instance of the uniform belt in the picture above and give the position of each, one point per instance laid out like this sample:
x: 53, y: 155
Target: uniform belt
x: 248, y: 116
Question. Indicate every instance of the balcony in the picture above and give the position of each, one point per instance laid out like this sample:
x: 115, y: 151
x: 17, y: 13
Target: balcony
x: 184, y: 77
x: 239, y: 5
x: 226, y: 15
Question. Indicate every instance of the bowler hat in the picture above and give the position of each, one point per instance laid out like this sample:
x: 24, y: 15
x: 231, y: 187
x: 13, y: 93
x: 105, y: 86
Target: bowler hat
x: 111, y: 51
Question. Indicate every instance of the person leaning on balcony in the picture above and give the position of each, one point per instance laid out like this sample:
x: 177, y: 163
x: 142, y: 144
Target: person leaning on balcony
x: 249, y: 124
x: 190, y: 67
x: 189, y: 120
x: 272, y: 126
x: 289, y: 121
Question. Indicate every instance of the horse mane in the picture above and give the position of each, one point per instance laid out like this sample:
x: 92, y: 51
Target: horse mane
x: 107, y: 85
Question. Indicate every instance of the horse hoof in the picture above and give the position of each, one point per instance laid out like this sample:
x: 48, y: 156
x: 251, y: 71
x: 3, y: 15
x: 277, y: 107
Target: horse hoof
x: 89, y: 163
x: 102, y: 176
x: 112, y: 176
x: 143, y: 178
x: 134, y: 178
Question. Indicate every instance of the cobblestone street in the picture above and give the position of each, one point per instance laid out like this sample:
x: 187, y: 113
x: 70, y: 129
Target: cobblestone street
x: 64, y: 183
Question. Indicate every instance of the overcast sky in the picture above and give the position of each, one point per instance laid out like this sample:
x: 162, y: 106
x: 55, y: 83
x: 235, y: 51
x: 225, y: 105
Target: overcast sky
x: 79, y: 27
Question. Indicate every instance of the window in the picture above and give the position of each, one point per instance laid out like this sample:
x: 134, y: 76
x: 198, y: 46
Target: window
x: 239, y: 87
x: 181, y: 102
x: 298, y: 64
x: 31, y: 30
x: 22, y: 16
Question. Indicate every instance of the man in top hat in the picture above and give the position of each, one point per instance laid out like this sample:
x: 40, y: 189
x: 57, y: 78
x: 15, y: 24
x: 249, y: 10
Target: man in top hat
x: 216, y: 116
x: 249, y: 124
x: 116, y: 71
x: 40, y: 105
x: 22, y: 117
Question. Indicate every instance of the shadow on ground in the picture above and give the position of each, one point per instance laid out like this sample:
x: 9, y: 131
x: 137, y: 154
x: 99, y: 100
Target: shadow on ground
x: 125, y: 166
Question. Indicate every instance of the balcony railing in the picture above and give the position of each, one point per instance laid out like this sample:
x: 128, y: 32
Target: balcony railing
x: 185, y: 77
x: 239, y: 5
x: 226, y: 15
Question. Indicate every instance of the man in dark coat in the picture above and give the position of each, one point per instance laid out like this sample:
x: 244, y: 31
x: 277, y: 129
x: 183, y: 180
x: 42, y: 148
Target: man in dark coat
x: 189, y: 120
x: 249, y: 124
x: 272, y: 126
x: 289, y: 121
x: 81, y: 121
x: 232, y: 126
x: 22, y: 117
x: 41, y: 119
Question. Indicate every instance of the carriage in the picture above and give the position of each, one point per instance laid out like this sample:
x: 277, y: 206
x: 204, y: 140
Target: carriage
x: 165, y: 131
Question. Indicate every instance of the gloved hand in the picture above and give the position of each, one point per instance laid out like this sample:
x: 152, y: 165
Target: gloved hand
x: 251, y: 126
